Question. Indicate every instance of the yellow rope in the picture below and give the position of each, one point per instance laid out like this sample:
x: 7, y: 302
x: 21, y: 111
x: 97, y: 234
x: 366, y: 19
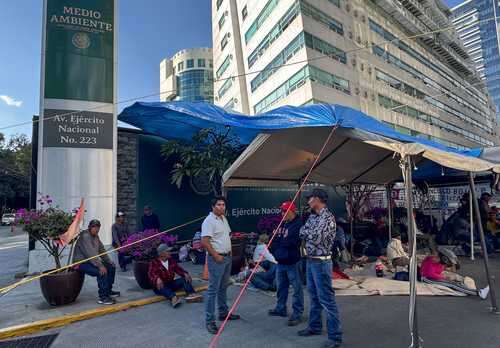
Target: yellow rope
x: 8, y: 288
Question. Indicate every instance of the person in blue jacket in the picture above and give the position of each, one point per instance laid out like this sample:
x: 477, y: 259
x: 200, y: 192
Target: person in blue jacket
x: 286, y: 251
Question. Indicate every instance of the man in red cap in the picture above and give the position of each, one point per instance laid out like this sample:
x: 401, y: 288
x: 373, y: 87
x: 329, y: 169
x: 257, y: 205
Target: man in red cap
x: 287, y: 252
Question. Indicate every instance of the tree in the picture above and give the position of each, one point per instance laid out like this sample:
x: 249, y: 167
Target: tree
x: 206, y: 157
x: 15, y: 168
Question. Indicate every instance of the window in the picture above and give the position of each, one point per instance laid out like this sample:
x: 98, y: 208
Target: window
x: 223, y: 67
x: 210, y: 63
x: 321, y: 17
x: 274, y: 33
x: 335, y: 2
x: 298, y: 79
x: 219, y: 2
x: 224, y: 41
x: 325, y: 48
x: 180, y: 66
x: 244, y: 12
x: 201, y: 63
x: 190, y: 63
x: 261, y: 18
x: 222, y: 20
x: 225, y: 87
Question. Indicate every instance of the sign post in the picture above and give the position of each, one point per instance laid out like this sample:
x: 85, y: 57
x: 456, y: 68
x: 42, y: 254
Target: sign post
x: 78, y: 125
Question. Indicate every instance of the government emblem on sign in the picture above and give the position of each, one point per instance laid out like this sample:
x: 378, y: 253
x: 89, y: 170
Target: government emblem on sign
x: 81, y: 40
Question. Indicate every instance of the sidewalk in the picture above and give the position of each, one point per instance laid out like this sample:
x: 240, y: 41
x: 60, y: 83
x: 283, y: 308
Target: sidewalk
x: 26, y: 304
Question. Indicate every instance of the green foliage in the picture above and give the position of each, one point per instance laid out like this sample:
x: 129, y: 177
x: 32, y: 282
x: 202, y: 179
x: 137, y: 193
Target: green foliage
x: 15, y: 167
x: 209, y: 155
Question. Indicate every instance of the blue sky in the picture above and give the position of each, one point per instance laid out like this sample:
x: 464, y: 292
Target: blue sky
x: 149, y: 30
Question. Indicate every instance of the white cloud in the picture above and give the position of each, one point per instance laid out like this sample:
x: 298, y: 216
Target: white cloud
x: 11, y: 101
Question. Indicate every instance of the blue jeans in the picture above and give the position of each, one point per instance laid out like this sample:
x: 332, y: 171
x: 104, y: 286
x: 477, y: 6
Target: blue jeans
x: 319, y: 286
x: 265, y: 280
x: 104, y: 282
x: 170, y: 288
x: 218, y: 281
x: 290, y: 275
x: 124, y: 260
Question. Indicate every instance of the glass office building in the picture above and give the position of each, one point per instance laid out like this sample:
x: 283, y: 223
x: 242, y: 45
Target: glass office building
x: 188, y: 76
x: 487, y: 11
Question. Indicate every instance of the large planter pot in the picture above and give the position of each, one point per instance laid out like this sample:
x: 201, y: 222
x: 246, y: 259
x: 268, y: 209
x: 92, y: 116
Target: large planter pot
x: 61, y: 288
x: 238, y: 254
x: 141, y: 269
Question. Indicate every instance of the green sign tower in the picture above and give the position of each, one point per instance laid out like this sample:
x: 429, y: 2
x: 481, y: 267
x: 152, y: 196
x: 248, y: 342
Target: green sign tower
x: 77, y: 147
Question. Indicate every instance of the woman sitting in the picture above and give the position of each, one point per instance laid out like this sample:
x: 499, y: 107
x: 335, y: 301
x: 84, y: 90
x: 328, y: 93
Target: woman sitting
x: 441, y: 269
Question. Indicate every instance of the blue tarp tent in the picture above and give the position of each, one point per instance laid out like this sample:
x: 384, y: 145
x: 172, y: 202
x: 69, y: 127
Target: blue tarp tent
x: 299, y: 132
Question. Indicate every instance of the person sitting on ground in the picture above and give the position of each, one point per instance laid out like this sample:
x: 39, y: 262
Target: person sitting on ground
x: 120, y: 233
x: 440, y: 269
x: 150, y: 220
x: 264, y: 280
x: 398, y: 257
x: 162, y: 271
x: 89, y: 246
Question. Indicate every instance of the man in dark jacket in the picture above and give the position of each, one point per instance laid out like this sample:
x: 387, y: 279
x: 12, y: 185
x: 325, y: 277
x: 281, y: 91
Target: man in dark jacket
x: 287, y: 253
x: 150, y: 220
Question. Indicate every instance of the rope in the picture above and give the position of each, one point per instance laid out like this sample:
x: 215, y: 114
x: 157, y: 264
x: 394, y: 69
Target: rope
x: 213, y: 343
x: 321, y: 56
x: 8, y: 288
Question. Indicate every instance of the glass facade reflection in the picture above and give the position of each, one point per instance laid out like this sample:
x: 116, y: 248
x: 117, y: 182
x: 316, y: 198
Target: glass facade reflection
x: 195, y: 85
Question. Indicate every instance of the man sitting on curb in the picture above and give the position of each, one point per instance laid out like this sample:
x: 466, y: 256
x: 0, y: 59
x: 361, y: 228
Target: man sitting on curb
x: 87, y: 246
x: 162, y: 271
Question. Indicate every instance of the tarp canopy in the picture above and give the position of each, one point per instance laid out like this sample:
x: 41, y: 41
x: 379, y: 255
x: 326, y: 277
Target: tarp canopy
x: 284, y: 141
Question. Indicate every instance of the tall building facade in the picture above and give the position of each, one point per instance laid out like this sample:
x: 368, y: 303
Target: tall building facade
x: 465, y: 17
x: 297, y: 52
x: 482, y: 14
x: 188, y: 76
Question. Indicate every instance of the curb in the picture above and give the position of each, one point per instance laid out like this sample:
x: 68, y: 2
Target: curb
x: 46, y: 324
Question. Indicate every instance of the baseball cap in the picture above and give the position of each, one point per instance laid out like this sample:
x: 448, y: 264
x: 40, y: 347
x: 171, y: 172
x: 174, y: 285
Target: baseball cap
x: 288, y: 205
x: 120, y: 213
x: 94, y: 223
x: 163, y: 248
x: 319, y: 193
x: 449, y: 254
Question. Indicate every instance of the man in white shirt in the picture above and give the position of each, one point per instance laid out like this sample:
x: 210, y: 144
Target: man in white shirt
x: 216, y: 239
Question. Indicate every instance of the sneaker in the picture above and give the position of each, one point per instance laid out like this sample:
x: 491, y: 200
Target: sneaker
x: 212, y: 328
x: 192, y: 298
x: 175, y: 302
x: 114, y: 293
x: 308, y: 332
x: 231, y: 317
x: 483, y: 293
x: 106, y: 301
x: 275, y: 313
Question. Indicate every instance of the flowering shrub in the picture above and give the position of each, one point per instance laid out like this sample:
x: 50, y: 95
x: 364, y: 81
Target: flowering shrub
x: 146, y: 249
x: 46, y: 225
x: 268, y: 223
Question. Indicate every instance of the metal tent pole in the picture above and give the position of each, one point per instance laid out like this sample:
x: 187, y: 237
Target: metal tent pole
x: 351, y: 220
x: 413, y: 249
x: 471, y: 214
x: 389, y: 209
x: 479, y: 225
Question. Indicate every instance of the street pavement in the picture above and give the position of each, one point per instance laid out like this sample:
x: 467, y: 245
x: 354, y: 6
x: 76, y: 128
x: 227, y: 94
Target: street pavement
x: 375, y: 321
x: 13, y: 254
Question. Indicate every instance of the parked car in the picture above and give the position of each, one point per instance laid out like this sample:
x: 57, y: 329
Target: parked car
x: 8, y: 219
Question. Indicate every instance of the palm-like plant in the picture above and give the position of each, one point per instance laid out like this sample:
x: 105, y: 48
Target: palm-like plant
x: 205, y: 158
